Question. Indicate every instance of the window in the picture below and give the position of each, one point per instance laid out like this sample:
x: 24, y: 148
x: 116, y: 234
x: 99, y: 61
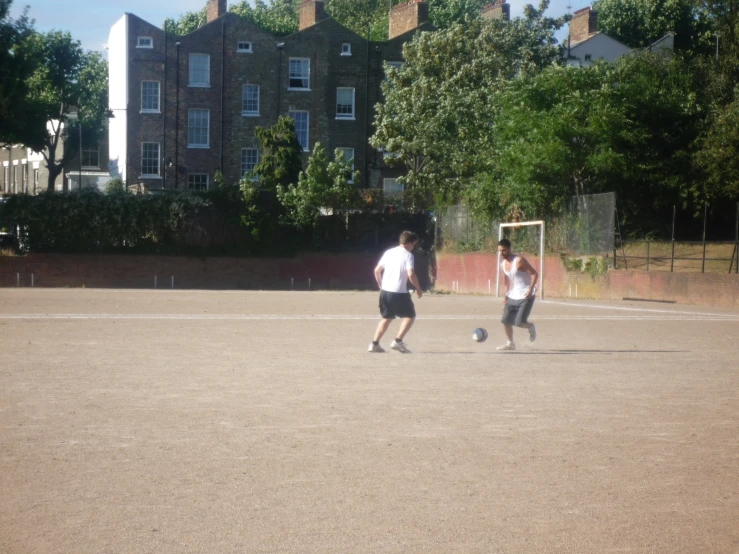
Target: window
x: 299, y: 73
x: 349, y: 159
x: 588, y: 57
x: 244, y: 47
x: 346, y: 49
x: 15, y: 179
x: 250, y: 100
x: 391, y: 186
x: 197, y: 181
x: 199, y: 70
x: 344, y: 103
x: 24, y: 175
x: 91, y: 158
x: 198, y: 126
x: 301, y: 128
x: 249, y: 159
x: 144, y: 42
x: 35, y: 181
x: 6, y: 178
x: 150, y: 96
x: 150, y: 159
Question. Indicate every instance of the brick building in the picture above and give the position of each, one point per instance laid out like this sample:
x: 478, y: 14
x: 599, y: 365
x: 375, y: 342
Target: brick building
x: 186, y: 107
x: 23, y: 171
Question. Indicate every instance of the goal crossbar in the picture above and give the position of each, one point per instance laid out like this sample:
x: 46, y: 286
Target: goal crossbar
x: 540, y: 286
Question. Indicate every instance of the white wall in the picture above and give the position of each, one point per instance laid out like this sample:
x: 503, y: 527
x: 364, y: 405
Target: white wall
x: 599, y: 46
x: 118, y: 98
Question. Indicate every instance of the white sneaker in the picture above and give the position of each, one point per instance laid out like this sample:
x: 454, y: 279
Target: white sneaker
x: 375, y: 348
x: 400, y: 347
x: 532, y: 332
x: 507, y: 346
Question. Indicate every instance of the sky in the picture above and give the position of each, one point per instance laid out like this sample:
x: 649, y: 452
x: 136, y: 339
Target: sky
x: 89, y: 21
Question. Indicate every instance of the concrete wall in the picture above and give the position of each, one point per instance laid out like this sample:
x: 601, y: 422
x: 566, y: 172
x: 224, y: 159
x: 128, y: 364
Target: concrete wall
x: 473, y: 272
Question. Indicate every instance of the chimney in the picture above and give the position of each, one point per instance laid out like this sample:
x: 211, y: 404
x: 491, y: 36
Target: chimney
x: 584, y: 23
x: 497, y: 10
x: 215, y: 9
x: 311, y: 12
x: 408, y: 16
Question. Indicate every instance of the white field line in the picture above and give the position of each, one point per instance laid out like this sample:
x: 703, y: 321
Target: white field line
x: 649, y: 310
x: 330, y: 317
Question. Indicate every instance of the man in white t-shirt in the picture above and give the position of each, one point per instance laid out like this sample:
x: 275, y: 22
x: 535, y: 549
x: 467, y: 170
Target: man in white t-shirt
x: 392, y: 274
x: 521, y: 278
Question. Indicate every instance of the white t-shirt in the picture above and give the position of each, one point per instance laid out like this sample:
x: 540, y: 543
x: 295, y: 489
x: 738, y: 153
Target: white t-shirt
x: 396, y: 262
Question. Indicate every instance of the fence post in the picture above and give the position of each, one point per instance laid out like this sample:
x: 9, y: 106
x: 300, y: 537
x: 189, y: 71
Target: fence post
x: 647, y: 255
x: 705, y: 216
x: 737, y: 238
x: 672, y: 259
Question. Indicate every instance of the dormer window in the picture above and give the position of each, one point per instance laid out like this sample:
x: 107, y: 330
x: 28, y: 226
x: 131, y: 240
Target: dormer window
x: 346, y: 49
x: 145, y: 42
x: 244, y: 47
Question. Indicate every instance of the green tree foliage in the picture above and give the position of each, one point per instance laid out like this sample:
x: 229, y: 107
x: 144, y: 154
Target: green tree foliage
x: 280, y: 160
x: 279, y: 17
x: 626, y: 127
x: 639, y: 23
x: 719, y: 155
x: 187, y: 22
x: 66, y: 79
x: 437, y: 115
x: 322, y: 188
x: 88, y: 221
x: 19, y: 122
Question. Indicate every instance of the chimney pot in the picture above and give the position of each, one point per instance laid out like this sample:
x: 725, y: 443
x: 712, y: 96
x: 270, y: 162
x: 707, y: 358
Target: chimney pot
x: 311, y: 12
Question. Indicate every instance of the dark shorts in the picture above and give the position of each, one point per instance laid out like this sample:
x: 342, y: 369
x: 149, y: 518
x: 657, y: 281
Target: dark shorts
x: 396, y: 304
x: 516, y: 312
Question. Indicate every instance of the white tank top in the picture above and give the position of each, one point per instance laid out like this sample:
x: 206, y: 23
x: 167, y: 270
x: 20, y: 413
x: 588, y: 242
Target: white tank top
x: 520, y: 279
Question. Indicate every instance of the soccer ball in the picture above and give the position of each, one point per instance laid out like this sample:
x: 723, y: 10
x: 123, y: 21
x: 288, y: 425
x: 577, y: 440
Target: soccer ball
x: 479, y: 335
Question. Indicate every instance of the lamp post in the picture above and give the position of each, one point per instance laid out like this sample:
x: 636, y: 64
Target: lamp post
x: 74, y: 116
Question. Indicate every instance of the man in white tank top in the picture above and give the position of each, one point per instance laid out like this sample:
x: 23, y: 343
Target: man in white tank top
x: 521, y: 279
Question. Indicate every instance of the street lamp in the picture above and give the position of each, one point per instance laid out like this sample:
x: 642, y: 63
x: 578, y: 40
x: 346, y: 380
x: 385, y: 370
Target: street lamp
x: 75, y: 116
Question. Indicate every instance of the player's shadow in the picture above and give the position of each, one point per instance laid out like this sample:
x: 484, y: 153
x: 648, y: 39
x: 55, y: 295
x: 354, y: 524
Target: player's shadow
x: 562, y: 352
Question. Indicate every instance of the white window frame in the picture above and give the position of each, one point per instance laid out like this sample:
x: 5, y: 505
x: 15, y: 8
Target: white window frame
x: 190, y: 127
x: 346, y: 116
x: 244, y: 111
x: 24, y: 177
x: 243, y: 49
x: 158, y: 109
x: 346, y: 49
x: 35, y: 179
x: 15, y: 177
x: 306, y: 147
x: 156, y: 175
x: 96, y: 149
x: 301, y: 76
x: 198, y: 84
x: 139, y: 41
x: 386, y: 181
x: 244, y: 171
x: 6, y: 177
x: 207, y: 181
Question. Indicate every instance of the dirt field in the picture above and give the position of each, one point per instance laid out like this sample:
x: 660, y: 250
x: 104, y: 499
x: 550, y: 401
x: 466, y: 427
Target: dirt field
x: 225, y: 422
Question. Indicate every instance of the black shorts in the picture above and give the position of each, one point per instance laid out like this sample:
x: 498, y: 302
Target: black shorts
x: 396, y: 304
x: 516, y: 312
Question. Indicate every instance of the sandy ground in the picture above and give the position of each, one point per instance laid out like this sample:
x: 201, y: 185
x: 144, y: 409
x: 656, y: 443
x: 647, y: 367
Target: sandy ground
x: 219, y: 422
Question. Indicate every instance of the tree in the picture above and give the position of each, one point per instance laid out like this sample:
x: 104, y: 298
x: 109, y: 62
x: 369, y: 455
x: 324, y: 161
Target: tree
x: 639, y: 23
x: 187, y: 23
x: 19, y: 123
x: 626, y: 127
x: 66, y: 80
x: 719, y: 154
x: 323, y: 187
x: 280, y: 160
x: 279, y: 17
x: 437, y: 116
